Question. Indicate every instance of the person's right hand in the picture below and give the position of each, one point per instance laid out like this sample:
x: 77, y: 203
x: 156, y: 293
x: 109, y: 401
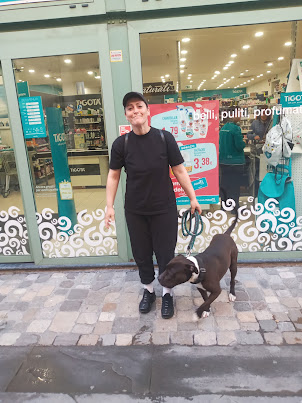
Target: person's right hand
x: 257, y: 138
x: 109, y: 216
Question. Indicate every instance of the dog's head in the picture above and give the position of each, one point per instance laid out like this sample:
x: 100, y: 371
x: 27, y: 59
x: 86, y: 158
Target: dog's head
x: 178, y: 271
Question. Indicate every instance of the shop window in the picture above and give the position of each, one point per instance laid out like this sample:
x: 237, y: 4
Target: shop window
x: 61, y: 108
x: 13, y: 230
x: 224, y: 87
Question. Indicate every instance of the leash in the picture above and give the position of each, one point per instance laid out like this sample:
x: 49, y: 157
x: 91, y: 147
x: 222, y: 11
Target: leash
x: 187, y: 231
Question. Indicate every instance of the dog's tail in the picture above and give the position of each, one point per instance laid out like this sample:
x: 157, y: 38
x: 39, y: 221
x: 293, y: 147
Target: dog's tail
x: 232, y: 226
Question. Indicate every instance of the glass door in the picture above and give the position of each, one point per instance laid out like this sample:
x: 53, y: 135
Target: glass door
x: 61, y: 108
x: 13, y: 229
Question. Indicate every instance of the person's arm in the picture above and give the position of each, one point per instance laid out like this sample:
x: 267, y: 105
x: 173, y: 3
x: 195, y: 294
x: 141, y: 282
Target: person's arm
x: 111, y: 189
x: 183, y: 178
x: 238, y: 139
x: 251, y: 134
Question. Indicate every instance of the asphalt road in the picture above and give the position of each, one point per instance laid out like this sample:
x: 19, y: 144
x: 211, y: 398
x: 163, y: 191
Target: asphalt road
x: 151, y: 374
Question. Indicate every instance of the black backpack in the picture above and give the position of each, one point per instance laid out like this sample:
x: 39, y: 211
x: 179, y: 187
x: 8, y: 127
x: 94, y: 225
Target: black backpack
x: 126, y: 144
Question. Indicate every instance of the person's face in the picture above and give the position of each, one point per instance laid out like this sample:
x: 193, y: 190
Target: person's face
x: 137, y: 112
x: 263, y: 118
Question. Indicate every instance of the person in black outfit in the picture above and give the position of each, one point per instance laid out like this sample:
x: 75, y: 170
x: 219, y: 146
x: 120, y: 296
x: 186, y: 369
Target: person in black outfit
x: 150, y: 205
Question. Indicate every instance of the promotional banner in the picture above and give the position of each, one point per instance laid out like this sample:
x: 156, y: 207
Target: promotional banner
x: 66, y: 206
x: 195, y: 126
x: 32, y: 117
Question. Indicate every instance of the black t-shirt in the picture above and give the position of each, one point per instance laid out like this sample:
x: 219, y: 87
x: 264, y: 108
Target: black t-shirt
x: 149, y: 189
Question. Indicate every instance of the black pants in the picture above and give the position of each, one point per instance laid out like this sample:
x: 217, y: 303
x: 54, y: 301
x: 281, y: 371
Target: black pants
x: 152, y: 233
x: 230, y: 181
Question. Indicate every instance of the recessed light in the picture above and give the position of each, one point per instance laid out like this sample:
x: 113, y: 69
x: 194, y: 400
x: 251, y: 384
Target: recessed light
x: 31, y: 71
x: 162, y: 77
x: 90, y: 72
x: 20, y: 81
x: 244, y: 82
x: 252, y: 79
x: 98, y: 77
x: 167, y: 75
x: 204, y: 80
x: 258, y: 76
x: 269, y: 64
x: 204, y: 89
x: 246, y: 70
x: 231, y: 62
x: 191, y: 81
x: 261, y: 75
x: 185, y: 39
x: 217, y: 72
x: 281, y: 58
x: 241, y: 74
x: 59, y: 79
x: 182, y: 71
x: 228, y: 65
x: 67, y: 61
x: 184, y: 52
x: 46, y: 75
x: 234, y: 55
x: 225, y: 68
x: 183, y: 59
x: 268, y: 71
x: 182, y: 66
x: 257, y: 34
x: 248, y: 81
x: 288, y: 43
x: 245, y: 46
x: 232, y: 77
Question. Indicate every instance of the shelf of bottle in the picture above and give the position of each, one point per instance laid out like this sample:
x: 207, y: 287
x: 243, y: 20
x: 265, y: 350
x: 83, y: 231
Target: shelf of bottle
x: 88, y: 123
x: 92, y: 115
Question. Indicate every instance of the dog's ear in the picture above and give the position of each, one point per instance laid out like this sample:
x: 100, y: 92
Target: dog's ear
x: 193, y: 268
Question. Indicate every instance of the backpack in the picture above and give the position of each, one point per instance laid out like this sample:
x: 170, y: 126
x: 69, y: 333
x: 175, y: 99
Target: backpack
x: 126, y: 145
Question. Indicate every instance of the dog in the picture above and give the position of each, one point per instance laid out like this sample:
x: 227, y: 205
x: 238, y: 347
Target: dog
x: 206, y: 269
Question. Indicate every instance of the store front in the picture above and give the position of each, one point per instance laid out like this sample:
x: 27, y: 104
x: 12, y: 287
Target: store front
x: 60, y: 111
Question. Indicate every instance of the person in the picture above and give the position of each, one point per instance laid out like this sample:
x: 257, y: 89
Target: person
x: 231, y: 159
x: 150, y: 204
x: 259, y: 126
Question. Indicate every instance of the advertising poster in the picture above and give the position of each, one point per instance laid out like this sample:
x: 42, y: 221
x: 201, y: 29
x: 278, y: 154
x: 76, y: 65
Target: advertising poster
x: 195, y: 126
x: 32, y: 117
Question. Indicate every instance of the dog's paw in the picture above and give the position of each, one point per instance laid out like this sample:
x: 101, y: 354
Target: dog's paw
x: 205, y: 314
x: 195, y: 317
x: 232, y: 297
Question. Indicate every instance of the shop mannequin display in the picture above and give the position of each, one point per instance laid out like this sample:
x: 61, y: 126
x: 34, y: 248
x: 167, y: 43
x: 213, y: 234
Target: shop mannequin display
x: 150, y: 205
x: 231, y: 160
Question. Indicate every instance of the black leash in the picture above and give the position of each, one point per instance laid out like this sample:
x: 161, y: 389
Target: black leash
x: 187, y: 231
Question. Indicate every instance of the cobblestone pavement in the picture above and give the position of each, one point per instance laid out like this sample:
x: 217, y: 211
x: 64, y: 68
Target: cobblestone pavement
x: 101, y: 308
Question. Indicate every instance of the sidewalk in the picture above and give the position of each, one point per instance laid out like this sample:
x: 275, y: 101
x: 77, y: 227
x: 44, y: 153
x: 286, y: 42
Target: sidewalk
x: 101, y: 308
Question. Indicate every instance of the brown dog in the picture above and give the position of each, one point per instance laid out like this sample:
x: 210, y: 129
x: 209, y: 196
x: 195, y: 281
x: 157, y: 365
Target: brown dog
x: 205, y: 269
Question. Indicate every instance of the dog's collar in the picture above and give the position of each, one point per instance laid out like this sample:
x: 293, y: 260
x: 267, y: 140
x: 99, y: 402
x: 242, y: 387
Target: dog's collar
x: 196, y: 277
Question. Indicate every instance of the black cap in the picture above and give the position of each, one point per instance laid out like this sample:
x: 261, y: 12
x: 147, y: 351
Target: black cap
x: 131, y: 95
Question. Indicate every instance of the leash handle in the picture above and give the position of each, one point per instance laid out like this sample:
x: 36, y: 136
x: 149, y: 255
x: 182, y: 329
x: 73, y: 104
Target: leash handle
x: 188, y: 231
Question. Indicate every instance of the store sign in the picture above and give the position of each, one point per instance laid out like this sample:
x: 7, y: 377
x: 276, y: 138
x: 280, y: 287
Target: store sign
x: 195, y: 127
x: 85, y: 169
x: 291, y: 99
x: 32, y: 117
x: 159, y: 88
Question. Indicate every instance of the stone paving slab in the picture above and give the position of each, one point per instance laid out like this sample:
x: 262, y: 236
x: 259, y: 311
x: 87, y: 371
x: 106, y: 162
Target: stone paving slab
x: 101, y: 307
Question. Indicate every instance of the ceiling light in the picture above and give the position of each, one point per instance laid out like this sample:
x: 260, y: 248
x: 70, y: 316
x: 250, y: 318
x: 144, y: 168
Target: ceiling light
x: 182, y: 71
x: 162, y: 77
x: 191, y: 81
x: 98, y: 77
x: 184, y: 52
x: 232, y: 77
x: 258, y: 76
x: 31, y: 71
x: 288, y: 43
x: 234, y: 55
x: 185, y: 39
x: 183, y: 59
x: 259, y: 34
x: 217, y: 72
x: 268, y: 71
x: 231, y: 62
x: 90, y: 72
x: 246, y: 70
x: 20, y: 81
x: 248, y: 81
x: 281, y: 58
x: 167, y: 75
x: 252, y: 79
x: 225, y: 68
x: 46, y: 75
x: 245, y: 46
x: 228, y: 65
x: 204, y: 89
x: 241, y: 74
x: 269, y: 64
x: 59, y: 79
x: 244, y: 82
x: 261, y: 75
x: 204, y: 80
x: 182, y: 66
x: 67, y: 61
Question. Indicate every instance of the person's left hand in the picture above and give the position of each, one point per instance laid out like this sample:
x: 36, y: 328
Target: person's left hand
x: 195, y: 206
